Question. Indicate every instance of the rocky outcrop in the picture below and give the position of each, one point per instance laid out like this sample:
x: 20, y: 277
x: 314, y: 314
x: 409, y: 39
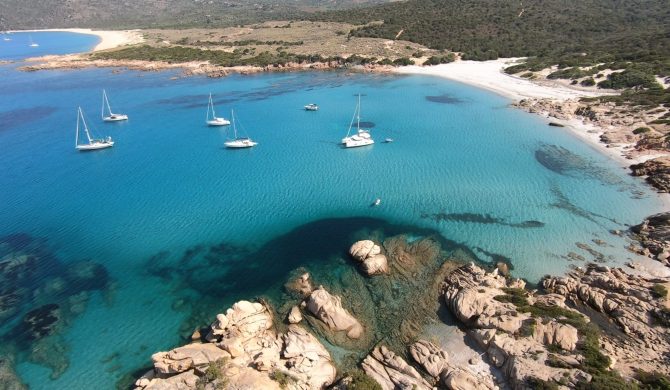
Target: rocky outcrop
x: 369, y: 254
x: 187, y: 357
x: 392, y: 372
x: 656, y: 170
x: 294, y: 316
x: 514, y: 341
x: 328, y: 308
x: 469, y: 294
x: 244, y: 348
x: 629, y: 302
x: 436, y: 363
x: 301, y: 286
x: 654, y: 235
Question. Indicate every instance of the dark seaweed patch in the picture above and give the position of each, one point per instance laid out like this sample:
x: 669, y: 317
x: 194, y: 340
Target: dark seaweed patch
x: 41, y: 322
x: 444, y: 99
x: 366, y: 124
x: 481, y: 218
x: 14, y: 118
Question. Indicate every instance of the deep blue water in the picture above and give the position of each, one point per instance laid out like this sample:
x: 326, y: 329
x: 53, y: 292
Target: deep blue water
x: 18, y: 45
x: 172, y: 218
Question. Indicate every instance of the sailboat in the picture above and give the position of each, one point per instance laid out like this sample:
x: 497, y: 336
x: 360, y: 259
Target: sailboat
x: 111, y: 117
x: 5, y: 36
x: 214, y: 121
x: 32, y: 44
x: 362, y: 136
x: 93, y: 144
x: 238, y: 142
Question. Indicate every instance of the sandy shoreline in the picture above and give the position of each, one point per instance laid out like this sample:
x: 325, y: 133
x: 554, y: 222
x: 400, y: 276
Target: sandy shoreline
x: 109, y: 39
x: 489, y: 75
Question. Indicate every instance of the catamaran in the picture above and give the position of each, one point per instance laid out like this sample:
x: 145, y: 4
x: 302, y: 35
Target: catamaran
x: 238, y: 142
x: 214, y: 121
x: 93, y: 144
x: 362, y: 136
x: 32, y: 44
x: 111, y: 117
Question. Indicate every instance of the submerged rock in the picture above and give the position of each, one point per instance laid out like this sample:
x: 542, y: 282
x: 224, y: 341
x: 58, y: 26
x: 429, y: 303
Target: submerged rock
x: 328, y: 308
x: 42, y: 321
x: 366, y: 252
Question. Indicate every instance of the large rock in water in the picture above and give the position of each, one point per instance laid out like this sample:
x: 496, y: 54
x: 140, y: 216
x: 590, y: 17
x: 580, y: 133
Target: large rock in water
x: 366, y: 252
x: 328, y: 308
x: 392, y: 372
x: 657, y: 171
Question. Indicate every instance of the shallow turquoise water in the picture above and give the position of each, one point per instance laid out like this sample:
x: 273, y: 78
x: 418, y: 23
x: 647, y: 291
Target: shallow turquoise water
x: 61, y: 42
x: 464, y: 164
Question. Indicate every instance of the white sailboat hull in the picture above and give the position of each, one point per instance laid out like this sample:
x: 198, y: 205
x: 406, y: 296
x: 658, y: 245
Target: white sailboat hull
x: 218, y: 122
x: 95, y: 145
x: 240, y: 143
x: 115, y: 118
x: 355, y: 143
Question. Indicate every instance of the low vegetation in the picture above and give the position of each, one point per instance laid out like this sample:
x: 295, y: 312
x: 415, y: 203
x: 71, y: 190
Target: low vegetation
x: 658, y: 290
x: 362, y: 381
x: 213, y: 376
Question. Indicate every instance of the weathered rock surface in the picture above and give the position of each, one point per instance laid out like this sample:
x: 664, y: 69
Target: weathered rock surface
x: 657, y: 171
x: 294, y: 316
x: 187, y: 357
x: 627, y: 300
x: 501, y: 329
x: 328, y: 308
x: 654, y: 235
x: 469, y: 295
x: 247, y: 351
x: 392, y: 372
x: 366, y: 252
x: 436, y: 362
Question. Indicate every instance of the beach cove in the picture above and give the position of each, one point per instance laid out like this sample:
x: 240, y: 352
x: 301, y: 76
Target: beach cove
x: 167, y: 198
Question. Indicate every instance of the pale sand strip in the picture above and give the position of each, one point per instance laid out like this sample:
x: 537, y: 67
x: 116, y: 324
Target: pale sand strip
x: 489, y: 75
x: 108, y: 39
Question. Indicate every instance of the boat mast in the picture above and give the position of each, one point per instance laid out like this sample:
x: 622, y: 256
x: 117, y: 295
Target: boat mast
x: 358, y: 118
x: 211, y: 104
x: 232, y: 117
x: 76, y: 138
x: 85, y: 127
x: 106, y: 101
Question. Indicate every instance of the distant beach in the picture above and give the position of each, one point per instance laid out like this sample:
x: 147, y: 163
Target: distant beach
x: 108, y: 39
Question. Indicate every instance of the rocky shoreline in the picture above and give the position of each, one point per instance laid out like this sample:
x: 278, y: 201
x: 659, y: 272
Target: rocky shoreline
x: 593, y: 328
x: 629, y: 132
x: 190, y: 68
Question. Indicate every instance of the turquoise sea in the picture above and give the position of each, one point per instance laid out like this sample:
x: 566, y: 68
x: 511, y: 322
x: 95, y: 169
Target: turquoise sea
x: 120, y: 248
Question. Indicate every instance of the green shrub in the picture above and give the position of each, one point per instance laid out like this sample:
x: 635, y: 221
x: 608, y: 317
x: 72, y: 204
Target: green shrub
x: 282, y: 378
x: 590, y: 82
x: 642, y: 130
x: 362, y: 381
x: 539, y: 384
x: 659, y: 291
x: 653, y: 380
x: 404, y: 61
x: 528, y: 75
x: 213, y: 375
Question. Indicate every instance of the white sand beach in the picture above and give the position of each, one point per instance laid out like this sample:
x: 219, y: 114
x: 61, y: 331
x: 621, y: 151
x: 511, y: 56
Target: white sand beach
x: 489, y: 75
x: 109, y: 39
